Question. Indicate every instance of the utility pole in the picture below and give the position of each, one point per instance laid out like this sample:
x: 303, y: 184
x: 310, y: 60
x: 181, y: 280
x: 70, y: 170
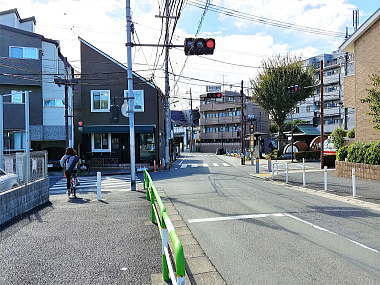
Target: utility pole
x: 242, y: 124
x: 192, y: 123
x: 130, y: 98
x: 27, y: 137
x: 321, y: 112
x: 167, y: 88
x: 292, y: 132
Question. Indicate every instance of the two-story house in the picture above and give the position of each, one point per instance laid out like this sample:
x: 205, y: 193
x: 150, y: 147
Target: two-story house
x: 28, y: 64
x: 103, y: 132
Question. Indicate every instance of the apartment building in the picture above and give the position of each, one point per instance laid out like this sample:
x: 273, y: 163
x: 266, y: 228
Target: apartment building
x: 363, y: 59
x: 28, y: 63
x: 220, y: 120
x: 335, y: 114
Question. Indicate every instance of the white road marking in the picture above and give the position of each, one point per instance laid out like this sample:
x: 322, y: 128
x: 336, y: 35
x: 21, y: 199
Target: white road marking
x: 194, y: 165
x: 331, y: 232
x: 341, y: 210
x: 240, y: 217
x: 215, y: 164
x: 205, y: 165
x: 225, y: 164
x: 183, y: 165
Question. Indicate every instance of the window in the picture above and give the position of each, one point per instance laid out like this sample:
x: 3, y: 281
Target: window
x: 100, y: 100
x: 23, y: 52
x: 17, y: 97
x: 139, y: 99
x: 297, y: 110
x: 101, y: 142
x: 54, y: 103
x: 308, y: 108
x: 14, y: 140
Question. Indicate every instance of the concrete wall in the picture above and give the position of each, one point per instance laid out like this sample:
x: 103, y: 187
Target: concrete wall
x: 211, y: 147
x: 19, y: 200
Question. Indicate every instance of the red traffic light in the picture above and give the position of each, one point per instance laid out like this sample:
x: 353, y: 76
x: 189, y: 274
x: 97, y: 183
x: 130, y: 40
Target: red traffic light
x: 80, y: 124
x: 214, y: 95
x: 210, y: 43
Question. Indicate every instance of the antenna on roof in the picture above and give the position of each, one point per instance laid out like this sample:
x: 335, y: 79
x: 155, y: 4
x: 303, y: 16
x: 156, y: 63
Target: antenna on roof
x: 355, y: 19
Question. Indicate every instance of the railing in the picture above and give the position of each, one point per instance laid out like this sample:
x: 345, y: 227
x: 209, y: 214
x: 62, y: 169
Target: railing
x: 160, y: 217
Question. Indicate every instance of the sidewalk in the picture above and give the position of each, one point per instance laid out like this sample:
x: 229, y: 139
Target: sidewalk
x: 367, y: 190
x: 82, y: 241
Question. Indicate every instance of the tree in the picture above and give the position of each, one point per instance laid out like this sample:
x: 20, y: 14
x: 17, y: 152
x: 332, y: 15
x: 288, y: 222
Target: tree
x: 373, y: 99
x: 270, y: 87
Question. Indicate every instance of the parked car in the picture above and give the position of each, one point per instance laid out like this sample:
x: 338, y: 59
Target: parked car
x: 7, y: 181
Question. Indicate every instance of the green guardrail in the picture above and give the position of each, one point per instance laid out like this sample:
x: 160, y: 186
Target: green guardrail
x: 160, y: 217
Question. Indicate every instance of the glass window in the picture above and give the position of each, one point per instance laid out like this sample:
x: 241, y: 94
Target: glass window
x: 147, y: 147
x: 54, y: 103
x: 16, y: 97
x: 139, y: 99
x: 100, y: 100
x: 24, y: 52
x: 100, y: 142
x: 13, y: 140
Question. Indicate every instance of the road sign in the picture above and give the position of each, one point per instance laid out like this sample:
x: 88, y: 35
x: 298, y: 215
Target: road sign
x: 213, y: 88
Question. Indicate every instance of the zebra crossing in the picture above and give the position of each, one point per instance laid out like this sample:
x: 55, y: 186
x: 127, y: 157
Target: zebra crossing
x: 88, y: 184
x: 194, y: 165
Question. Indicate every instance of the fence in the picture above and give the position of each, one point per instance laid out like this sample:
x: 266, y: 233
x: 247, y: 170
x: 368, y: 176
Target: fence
x: 302, y: 174
x: 17, y: 163
x: 160, y: 217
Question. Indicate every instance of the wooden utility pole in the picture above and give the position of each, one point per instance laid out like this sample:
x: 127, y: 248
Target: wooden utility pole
x: 321, y: 112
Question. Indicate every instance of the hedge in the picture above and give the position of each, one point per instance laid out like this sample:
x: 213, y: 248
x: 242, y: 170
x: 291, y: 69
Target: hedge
x: 368, y: 153
x: 307, y: 155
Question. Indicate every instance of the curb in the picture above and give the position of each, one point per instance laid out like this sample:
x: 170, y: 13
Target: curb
x: 199, y: 268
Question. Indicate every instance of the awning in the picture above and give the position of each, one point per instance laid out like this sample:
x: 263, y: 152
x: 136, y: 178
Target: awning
x: 116, y: 129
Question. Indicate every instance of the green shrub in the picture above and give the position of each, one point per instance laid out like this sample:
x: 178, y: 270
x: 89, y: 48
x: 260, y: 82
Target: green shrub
x: 272, y: 155
x: 372, y: 155
x: 338, y: 137
x: 342, y: 152
x: 307, y: 155
x: 351, y: 133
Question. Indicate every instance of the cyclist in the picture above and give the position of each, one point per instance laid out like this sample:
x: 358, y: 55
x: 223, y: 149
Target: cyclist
x: 69, y: 163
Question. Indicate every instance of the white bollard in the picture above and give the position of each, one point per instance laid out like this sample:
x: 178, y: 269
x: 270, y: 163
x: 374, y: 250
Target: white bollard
x: 353, y: 183
x: 303, y: 173
x: 98, y: 185
x: 273, y: 171
x: 286, y: 173
x: 325, y: 176
x: 276, y: 167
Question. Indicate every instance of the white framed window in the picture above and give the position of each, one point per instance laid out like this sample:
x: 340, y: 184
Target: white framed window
x: 139, y: 99
x: 14, y: 140
x: 100, y: 100
x: 54, y: 103
x: 23, y: 52
x: 17, y: 97
x: 101, y: 142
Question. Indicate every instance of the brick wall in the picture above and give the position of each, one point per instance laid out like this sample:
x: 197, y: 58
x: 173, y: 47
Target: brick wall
x: 367, y: 62
x: 366, y: 171
x: 19, y: 200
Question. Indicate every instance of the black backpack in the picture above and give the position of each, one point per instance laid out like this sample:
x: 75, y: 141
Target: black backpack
x: 72, y: 165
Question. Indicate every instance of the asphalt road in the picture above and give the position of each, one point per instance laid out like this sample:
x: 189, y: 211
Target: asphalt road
x: 286, y: 237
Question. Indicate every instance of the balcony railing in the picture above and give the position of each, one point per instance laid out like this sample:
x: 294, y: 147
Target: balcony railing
x: 216, y: 106
x: 219, y: 135
x: 220, y: 120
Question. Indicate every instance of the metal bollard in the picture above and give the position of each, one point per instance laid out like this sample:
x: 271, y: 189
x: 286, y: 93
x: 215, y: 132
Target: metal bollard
x: 286, y: 173
x: 276, y: 167
x: 98, y: 185
x: 303, y: 173
x: 257, y: 165
x: 269, y: 165
x: 154, y: 166
x: 353, y: 183
x: 273, y: 173
x: 325, y: 177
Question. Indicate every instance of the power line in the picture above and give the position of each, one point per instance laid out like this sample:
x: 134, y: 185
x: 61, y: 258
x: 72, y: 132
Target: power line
x: 263, y: 20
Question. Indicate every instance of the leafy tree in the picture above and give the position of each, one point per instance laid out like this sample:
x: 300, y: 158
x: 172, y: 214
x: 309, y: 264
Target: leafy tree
x: 373, y: 99
x: 270, y: 87
x: 273, y: 128
x: 338, y: 137
x: 351, y: 133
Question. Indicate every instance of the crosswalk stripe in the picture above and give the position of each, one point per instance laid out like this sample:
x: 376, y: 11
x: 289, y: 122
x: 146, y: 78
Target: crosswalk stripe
x: 215, y: 164
x: 194, y: 165
x: 205, y: 165
x: 183, y: 165
x: 225, y: 164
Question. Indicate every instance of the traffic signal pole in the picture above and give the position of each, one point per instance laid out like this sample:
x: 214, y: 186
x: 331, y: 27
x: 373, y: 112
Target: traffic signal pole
x: 322, y: 113
x: 131, y: 103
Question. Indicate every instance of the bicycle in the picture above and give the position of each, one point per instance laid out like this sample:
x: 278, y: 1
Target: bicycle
x: 73, y: 185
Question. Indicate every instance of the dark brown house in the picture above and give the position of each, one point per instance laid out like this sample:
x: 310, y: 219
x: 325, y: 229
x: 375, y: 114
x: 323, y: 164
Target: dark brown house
x: 103, y: 132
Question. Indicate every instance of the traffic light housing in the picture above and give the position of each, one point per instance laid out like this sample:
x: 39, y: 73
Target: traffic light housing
x: 316, y: 120
x: 215, y: 95
x: 199, y: 46
x: 295, y: 88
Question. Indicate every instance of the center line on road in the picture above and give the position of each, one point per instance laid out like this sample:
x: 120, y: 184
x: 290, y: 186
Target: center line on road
x: 240, y: 217
x: 331, y: 232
